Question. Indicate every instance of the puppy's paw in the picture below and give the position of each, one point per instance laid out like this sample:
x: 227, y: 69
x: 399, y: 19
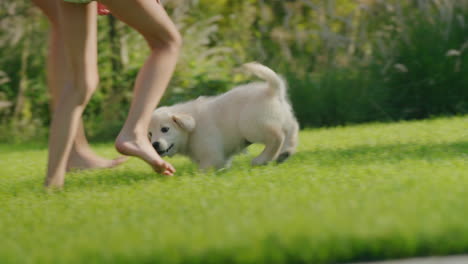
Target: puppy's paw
x: 283, y: 157
x: 259, y: 161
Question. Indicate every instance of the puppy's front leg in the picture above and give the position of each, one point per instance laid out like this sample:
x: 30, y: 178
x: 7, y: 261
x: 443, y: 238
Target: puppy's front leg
x: 214, y: 160
x: 209, y: 154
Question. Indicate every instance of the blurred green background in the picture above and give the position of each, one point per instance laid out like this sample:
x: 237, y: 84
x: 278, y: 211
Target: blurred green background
x: 346, y: 61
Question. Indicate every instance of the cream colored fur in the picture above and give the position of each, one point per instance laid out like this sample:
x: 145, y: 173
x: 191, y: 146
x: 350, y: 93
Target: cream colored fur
x: 210, y: 130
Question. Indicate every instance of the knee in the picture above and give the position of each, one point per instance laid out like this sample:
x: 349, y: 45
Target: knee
x: 172, y: 41
x: 91, y: 84
x: 83, y: 89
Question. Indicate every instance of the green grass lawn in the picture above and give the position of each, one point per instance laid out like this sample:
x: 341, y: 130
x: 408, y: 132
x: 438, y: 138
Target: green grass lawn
x: 354, y: 193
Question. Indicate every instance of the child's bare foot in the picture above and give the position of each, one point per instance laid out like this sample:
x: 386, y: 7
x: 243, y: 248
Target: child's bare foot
x: 141, y: 148
x: 54, y: 183
x: 86, y: 159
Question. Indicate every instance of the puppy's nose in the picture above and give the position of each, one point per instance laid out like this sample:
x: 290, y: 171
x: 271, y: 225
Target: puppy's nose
x: 156, y: 145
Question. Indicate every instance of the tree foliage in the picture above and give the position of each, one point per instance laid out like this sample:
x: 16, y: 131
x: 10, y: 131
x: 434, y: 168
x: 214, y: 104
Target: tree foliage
x: 346, y: 61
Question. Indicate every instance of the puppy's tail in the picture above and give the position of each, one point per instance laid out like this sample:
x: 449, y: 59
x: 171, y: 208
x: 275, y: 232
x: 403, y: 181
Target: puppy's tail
x: 275, y: 82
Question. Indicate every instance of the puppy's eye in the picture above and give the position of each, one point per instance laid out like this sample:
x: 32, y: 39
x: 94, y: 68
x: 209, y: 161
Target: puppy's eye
x: 150, y: 135
x: 164, y: 129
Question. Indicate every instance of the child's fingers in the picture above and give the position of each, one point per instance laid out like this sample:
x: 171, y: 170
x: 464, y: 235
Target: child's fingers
x: 168, y: 173
x: 166, y: 169
x: 171, y: 168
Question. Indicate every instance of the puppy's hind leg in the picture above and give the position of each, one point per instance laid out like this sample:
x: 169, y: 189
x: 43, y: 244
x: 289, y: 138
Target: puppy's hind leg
x: 274, y: 139
x: 290, y: 142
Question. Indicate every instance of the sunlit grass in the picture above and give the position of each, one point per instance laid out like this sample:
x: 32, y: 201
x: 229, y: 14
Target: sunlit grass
x: 364, y: 192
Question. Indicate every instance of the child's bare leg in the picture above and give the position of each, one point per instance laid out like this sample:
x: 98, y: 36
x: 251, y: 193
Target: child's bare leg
x: 78, y: 22
x: 150, y: 19
x: 58, y: 75
x: 81, y: 155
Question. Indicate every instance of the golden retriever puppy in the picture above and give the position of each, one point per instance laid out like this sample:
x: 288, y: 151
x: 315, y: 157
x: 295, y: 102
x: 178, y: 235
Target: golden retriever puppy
x: 210, y: 130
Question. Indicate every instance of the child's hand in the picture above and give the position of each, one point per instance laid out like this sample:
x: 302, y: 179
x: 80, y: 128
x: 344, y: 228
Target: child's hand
x: 102, y: 9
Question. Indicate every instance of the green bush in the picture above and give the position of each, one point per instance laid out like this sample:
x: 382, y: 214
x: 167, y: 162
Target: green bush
x: 431, y: 57
x: 417, y: 68
x: 338, y: 97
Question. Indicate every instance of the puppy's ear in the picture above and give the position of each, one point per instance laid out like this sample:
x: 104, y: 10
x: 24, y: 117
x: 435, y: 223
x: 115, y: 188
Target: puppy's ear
x: 184, y: 121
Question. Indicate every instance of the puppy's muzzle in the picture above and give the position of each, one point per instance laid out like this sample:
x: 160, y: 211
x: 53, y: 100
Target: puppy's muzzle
x: 157, y: 147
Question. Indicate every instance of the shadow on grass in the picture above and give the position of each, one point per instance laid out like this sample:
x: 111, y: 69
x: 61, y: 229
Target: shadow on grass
x: 122, y: 177
x: 100, y: 179
x: 387, y: 153
x: 324, y: 157
x: 335, y: 248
